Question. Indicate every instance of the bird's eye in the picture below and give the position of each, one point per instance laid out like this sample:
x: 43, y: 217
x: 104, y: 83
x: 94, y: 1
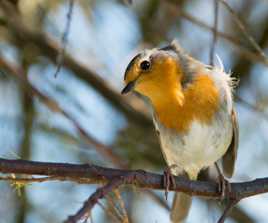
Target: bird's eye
x: 145, y: 65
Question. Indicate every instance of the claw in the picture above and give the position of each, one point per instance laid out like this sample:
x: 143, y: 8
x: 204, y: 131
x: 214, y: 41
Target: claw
x: 169, y: 180
x: 224, y: 186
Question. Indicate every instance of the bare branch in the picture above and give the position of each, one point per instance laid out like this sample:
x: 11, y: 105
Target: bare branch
x: 252, y: 107
x: 238, y: 43
x: 227, y: 210
x: 142, y: 179
x: 122, y: 206
x: 215, y: 30
x: 114, y: 178
x: 27, y: 180
x: 244, y: 30
x: 64, y: 39
x: 84, y: 212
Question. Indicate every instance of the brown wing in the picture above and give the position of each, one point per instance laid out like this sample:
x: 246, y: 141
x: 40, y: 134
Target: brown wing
x: 229, y: 158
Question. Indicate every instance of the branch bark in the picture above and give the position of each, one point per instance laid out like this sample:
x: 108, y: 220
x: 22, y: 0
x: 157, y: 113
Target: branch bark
x: 114, y: 178
x: 93, y: 174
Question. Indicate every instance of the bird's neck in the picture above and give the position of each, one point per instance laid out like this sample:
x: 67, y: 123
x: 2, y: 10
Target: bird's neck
x: 176, y: 108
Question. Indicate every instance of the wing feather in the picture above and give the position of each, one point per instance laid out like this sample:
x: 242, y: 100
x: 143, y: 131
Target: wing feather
x: 229, y: 158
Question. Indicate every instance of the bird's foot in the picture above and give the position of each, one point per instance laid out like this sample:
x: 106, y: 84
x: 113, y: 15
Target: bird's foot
x: 169, y: 180
x: 224, y: 185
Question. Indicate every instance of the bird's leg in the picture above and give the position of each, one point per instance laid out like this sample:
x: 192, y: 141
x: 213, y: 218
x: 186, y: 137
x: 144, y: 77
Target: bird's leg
x: 169, y: 180
x: 224, y: 185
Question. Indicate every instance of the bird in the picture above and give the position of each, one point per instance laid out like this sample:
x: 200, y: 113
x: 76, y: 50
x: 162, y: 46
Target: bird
x: 192, y: 111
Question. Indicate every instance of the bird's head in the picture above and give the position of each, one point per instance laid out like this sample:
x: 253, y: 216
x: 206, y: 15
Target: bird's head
x: 179, y: 87
x: 157, y: 72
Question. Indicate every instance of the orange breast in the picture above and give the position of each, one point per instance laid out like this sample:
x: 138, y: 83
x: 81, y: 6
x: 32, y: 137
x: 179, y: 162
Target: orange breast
x: 199, y: 101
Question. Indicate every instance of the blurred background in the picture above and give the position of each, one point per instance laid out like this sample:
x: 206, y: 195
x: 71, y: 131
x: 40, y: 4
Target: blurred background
x: 99, y: 39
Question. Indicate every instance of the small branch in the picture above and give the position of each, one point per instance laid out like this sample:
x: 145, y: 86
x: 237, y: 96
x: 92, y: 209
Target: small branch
x: 215, y: 30
x: 236, y: 42
x: 23, y: 180
x: 244, y: 30
x: 227, y: 210
x: 64, y: 39
x: 252, y: 107
x: 84, y: 212
x: 128, y: 2
x: 108, y: 212
x: 122, y: 207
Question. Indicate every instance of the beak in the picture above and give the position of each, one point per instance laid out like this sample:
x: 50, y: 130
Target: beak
x: 128, y: 87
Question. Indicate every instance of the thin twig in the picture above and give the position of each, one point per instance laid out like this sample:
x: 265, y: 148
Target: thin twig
x: 238, y: 43
x: 122, y: 206
x: 29, y: 180
x: 64, y: 38
x: 112, y: 206
x: 108, y: 212
x: 128, y: 1
x: 227, y: 210
x: 23, y: 180
x: 243, y: 29
x: 252, y: 107
x: 85, y: 211
x: 215, y: 30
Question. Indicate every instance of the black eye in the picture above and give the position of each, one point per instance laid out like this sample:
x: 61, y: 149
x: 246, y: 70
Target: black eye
x: 145, y: 65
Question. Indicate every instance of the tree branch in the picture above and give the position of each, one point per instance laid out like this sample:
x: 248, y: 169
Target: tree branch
x: 145, y: 180
x: 64, y: 38
x: 113, y: 178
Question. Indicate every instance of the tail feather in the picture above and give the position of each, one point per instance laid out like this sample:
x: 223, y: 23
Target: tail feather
x: 180, y: 207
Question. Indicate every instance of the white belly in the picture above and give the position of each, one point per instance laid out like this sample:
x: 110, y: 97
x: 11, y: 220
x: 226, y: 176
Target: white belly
x: 201, y: 147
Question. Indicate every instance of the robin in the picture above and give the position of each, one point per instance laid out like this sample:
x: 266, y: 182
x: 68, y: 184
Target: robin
x: 192, y: 110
